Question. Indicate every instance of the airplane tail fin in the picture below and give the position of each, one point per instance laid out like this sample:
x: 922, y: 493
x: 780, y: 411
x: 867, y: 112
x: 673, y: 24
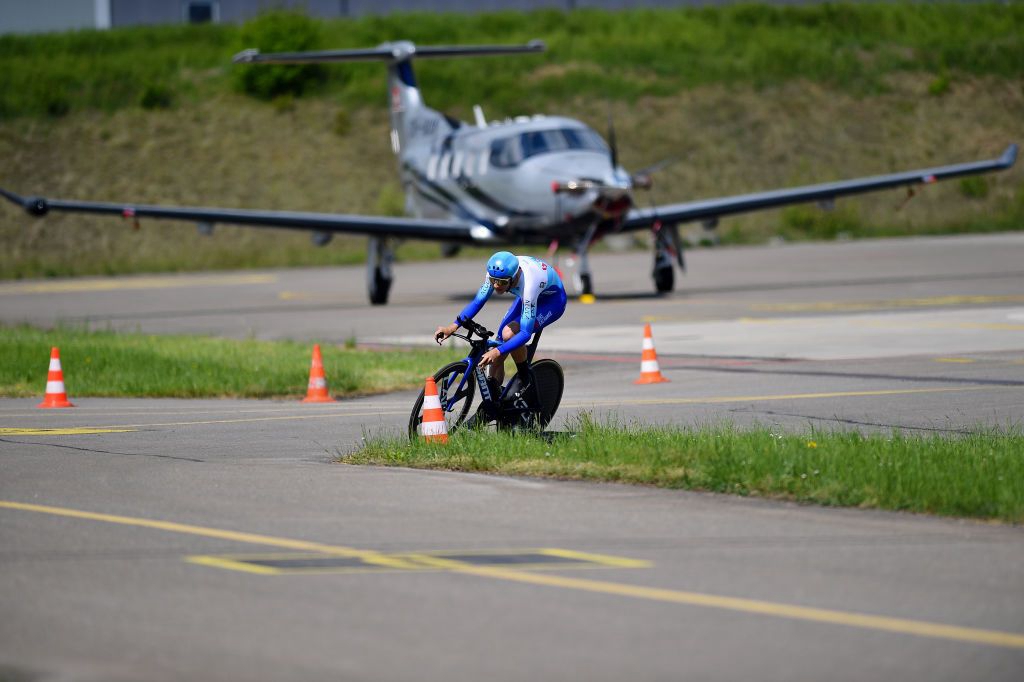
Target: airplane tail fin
x: 403, y: 92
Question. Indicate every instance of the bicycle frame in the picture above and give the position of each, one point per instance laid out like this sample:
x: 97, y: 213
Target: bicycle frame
x: 478, y: 348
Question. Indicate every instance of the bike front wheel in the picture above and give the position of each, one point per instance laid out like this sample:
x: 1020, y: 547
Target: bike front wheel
x: 455, y: 402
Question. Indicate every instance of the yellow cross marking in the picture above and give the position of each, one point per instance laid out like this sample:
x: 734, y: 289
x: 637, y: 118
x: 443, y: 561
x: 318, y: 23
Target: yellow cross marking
x: 754, y: 606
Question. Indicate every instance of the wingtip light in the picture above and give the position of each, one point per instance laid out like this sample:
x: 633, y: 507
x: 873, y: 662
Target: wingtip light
x: 246, y: 56
x: 1010, y: 155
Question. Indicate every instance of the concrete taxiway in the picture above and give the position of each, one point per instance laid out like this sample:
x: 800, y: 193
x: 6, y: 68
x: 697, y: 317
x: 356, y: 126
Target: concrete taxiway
x: 219, y: 540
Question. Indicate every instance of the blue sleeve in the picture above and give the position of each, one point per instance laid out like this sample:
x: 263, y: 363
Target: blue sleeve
x: 526, y: 324
x: 519, y: 340
x: 474, y: 306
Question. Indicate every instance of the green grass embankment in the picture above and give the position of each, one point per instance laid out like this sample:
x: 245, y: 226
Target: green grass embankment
x: 622, y: 55
x: 98, y: 363
x: 979, y: 475
x: 744, y: 98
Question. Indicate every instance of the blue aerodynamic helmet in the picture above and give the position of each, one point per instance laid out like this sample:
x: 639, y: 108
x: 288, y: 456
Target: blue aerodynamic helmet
x: 503, y: 265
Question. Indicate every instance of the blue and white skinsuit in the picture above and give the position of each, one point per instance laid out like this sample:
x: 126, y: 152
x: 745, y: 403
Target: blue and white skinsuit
x: 540, y: 300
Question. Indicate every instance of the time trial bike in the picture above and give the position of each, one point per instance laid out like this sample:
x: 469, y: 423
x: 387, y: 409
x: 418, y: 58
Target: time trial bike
x: 501, y: 407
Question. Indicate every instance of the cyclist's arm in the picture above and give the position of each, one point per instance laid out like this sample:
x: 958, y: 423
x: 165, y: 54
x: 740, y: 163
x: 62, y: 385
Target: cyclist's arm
x: 474, y: 306
x: 531, y: 293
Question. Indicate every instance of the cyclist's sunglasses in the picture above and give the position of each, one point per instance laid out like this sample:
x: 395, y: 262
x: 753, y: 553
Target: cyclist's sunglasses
x: 500, y: 281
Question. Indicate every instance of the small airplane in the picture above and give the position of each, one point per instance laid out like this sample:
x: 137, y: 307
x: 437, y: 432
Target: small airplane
x: 531, y: 180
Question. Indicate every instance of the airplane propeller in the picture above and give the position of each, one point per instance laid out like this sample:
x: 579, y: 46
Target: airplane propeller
x: 613, y: 147
x: 642, y: 179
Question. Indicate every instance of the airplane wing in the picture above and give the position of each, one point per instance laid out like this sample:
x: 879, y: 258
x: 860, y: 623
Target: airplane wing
x: 711, y: 209
x: 322, y: 223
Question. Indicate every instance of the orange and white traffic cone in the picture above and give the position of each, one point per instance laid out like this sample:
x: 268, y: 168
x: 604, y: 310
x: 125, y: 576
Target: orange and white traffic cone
x: 650, y: 373
x: 433, y: 428
x: 316, y: 392
x: 56, y: 396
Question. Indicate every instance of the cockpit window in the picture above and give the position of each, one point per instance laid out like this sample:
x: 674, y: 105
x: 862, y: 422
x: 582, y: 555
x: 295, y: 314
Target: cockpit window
x: 510, y: 151
x: 582, y: 138
x: 506, y: 152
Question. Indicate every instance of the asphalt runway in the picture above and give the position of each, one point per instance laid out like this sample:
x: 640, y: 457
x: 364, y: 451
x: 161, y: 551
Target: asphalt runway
x: 219, y: 540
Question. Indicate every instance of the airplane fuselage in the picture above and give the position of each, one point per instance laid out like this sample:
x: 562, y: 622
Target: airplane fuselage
x: 503, y: 175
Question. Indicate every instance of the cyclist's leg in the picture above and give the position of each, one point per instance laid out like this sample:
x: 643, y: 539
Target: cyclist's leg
x: 549, y: 309
x: 508, y: 328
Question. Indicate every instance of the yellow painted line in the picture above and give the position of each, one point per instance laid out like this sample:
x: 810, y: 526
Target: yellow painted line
x: 920, y: 324
x: 754, y: 606
x: 602, y: 559
x: 296, y: 417
x: 250, y: 538
x: 622, y: 401
x: 133, y: 283
x: 845, y: 306
x: 887, y: 323
x: 296, y: 407
x: 70, y: 431
x: 125, y: 428
x: 308, y: 296
x: 417, y: 561
x: 690, y: 319
x: 793, y: 321
x: 242, y: 562
x: 958, y: 361
x: 232, y: 565
x: 838, y: 306
x: 445, y: 559
x: 792, y: 396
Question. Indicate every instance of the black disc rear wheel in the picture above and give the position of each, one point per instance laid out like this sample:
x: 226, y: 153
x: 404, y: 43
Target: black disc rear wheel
x: 550, y: 384
x: 454, y: 402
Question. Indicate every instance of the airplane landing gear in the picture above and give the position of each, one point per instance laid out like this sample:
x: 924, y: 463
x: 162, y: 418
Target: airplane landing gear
x: 583, y: 284
x: 666, y: 247
x: 380, y: 255
x: 664, y: 276
x: 581, y: 279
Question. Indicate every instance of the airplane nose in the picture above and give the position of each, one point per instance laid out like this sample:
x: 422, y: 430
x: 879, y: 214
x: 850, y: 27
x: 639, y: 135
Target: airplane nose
x: 587, y: 183
x: 619, y: 179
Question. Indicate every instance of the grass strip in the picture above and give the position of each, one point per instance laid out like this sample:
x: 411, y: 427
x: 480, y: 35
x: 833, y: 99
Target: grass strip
x: 978, y: 475
x: 105, y: 363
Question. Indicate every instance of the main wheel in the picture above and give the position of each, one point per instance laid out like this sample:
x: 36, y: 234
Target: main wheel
x: 379, y: 288
x: 455, y: 403
x: 584, y: 284
x: 664, y: 279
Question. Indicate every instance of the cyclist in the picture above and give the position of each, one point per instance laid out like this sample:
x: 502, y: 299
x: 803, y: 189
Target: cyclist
x: 540, y: 300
